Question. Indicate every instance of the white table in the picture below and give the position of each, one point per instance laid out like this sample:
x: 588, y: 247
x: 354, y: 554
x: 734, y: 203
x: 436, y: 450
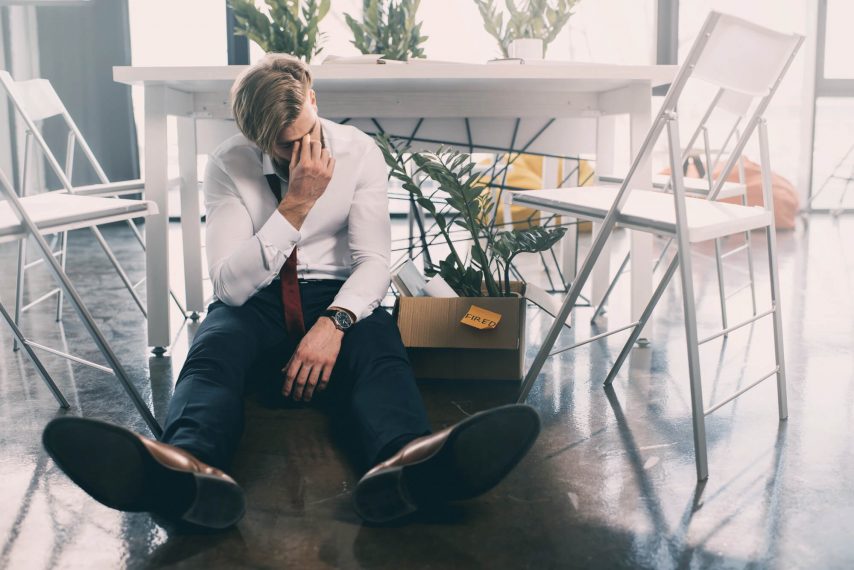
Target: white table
x: 475, y: 107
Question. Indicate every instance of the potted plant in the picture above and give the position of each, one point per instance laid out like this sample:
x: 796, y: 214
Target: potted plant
x: 433, y: 329
x: 288, y: 26
x: 388, y: 28
x: 530, y: 28
x: 488, y: 271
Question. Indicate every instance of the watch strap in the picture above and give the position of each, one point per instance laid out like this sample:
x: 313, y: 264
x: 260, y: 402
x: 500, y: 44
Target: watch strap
x: 331, y: 313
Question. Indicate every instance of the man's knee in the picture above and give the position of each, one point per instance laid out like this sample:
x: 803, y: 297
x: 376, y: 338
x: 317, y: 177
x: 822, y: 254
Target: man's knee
x: 225, y: 342
x: 373, y: 339
x: 226, y: 327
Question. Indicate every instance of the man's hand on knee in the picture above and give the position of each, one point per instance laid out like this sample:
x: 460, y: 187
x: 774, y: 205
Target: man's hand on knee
x: 311, y: 364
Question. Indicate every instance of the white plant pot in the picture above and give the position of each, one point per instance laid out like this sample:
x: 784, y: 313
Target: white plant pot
x: 526, y: 48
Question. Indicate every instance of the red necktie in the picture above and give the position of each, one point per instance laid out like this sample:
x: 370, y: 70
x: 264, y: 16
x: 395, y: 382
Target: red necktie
x: 291, y: 302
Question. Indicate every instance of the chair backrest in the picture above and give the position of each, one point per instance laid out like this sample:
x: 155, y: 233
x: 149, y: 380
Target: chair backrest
x: 37, y: 100
x: 742, y: 56
x: 746, y: 62
x: 735, y: 102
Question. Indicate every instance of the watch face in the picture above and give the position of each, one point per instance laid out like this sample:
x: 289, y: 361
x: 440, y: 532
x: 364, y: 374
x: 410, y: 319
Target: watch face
x: 343, y: 319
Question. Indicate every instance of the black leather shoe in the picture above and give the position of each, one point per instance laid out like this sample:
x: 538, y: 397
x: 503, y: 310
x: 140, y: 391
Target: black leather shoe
x: 460, y: 462
x: 128, y: 472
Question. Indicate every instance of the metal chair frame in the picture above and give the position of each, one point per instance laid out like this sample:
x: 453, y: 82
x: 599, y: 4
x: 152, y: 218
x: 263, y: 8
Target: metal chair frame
x: 719, y: 254
x: 45, y: 104
x: 717, y: 31
x: 58, y: 273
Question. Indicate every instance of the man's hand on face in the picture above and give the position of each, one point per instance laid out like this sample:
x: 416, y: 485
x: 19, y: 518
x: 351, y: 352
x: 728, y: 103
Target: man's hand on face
x: 310, y: 171
x: 311, y: 364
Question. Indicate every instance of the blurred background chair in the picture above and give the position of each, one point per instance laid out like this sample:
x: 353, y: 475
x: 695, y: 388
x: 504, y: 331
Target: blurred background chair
x: 47, y: 213
x: 35, y: 101
x: 719, y: 57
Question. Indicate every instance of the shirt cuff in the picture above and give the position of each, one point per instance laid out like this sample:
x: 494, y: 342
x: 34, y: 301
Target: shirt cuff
x: 278, y: 234
x: 356, y: 304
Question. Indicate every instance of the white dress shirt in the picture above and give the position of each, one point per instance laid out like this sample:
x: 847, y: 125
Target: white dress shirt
x: 346, y: 235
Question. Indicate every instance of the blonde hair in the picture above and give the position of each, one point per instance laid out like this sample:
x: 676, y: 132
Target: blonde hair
x: 269, y: 96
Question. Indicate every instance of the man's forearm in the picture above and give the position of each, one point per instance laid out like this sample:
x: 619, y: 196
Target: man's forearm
x: 294, y: 211
x: 364, y: 289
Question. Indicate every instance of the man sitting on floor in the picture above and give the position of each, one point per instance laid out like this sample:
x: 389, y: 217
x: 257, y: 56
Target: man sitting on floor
x: 297, y: 227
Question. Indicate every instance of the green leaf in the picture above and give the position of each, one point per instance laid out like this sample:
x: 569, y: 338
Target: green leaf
x: 324, y: 9
x: 291, y: 26
x: 388, y: 27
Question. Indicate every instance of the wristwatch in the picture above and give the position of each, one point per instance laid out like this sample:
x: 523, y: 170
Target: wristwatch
x: 341, y: 319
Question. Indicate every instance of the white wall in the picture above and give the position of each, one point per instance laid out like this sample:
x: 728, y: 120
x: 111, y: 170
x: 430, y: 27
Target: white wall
x: 23, y: 63
x: 838, y: 60
x: 185, y: 32
x: 5, y: 125
x: 455, y: 32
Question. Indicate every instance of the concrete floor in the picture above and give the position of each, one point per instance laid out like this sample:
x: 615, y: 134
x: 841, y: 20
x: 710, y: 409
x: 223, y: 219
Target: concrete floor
x: 610, y: 484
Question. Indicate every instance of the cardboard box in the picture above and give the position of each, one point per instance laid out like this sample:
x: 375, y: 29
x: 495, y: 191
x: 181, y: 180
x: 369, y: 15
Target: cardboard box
x: 440, y: 346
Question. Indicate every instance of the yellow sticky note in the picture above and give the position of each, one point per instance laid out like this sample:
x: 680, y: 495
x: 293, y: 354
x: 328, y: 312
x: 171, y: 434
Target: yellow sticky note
x: 480, y: 318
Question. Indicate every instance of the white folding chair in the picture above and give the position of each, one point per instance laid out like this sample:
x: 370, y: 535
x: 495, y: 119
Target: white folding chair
x: 35, y: 100
x: 737, y: 56
x: 55, y: 212
x: 737, y: 105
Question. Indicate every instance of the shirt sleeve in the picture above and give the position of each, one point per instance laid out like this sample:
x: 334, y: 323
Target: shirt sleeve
x: 240, y: 260
x: 369, y: 235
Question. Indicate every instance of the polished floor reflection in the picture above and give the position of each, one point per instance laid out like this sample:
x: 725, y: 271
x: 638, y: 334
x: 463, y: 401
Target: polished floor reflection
x: 610, y: 484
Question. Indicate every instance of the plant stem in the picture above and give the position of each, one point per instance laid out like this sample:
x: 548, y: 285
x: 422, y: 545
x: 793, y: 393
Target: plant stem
x: 483, y: 260
x: 507, y: 272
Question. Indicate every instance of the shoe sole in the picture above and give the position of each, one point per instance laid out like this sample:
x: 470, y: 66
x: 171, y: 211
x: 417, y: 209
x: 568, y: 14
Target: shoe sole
x: 113, y: 466
x: 477, y: 455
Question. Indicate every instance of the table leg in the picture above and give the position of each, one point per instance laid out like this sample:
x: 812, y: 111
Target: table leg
x: 191, y: 227
x: 641, y: 242
x: 156, y: 226
x: 552, y: 167
x: 600, y: 276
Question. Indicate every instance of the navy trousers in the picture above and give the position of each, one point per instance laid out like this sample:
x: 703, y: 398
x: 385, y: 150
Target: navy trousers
x: 238, y: 348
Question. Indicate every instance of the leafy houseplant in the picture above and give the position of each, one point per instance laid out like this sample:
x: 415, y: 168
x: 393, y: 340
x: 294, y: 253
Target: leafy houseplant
x: 290, y: 27
x: 388, y: 28
x: 492, y: 252
x: 535, y: 19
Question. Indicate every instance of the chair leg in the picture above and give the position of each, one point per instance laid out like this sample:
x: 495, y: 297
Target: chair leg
x: 683, y: 248
x: 135, y: 231
x: 74, y: 298
x: 141, y: 240
x: 19, y: 287
x: 121, y: 272
x: 34, y: 359
x: 568, y: 305
x: 719, y: 265
x: 771, y: 240
x: 63, y: 241
x: 697, y: 413
x: 750, y: 262
x: 644, y: 318
x: 97, y: 336
x: 782, y: 400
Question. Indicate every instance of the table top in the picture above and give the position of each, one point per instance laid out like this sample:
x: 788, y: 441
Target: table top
x: 548, y: 76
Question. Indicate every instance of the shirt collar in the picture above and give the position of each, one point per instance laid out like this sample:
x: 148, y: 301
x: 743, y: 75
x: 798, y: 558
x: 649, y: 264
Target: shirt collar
x: 267, y: 162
